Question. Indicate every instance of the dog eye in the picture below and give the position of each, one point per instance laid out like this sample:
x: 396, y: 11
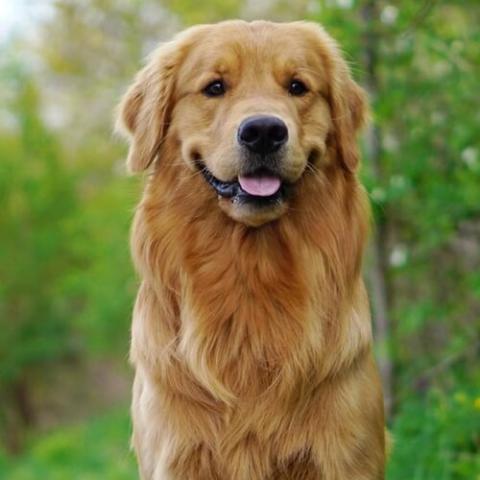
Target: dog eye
x: 215, y: 89
x: 297, y: 88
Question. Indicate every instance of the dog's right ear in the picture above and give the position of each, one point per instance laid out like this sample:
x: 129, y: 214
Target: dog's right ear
x: 143, y: 113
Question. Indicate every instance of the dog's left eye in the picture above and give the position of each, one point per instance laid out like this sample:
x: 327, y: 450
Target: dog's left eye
x: 215, y: 89
x: 297, y: 88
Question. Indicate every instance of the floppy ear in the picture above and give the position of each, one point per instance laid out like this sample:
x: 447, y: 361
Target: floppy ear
x: 348, y: 102
x: 143, y: 113
x: 349, y: 110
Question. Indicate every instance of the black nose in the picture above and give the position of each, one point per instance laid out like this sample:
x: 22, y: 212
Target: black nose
x: 262, y: 134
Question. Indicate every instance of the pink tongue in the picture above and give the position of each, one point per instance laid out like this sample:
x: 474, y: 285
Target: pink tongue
x: 260, y: 186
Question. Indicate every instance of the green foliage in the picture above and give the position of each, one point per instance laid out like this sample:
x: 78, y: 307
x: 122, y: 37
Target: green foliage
x: 97, y: 450
x: 437, y: 437
x: 212, y: 11
x: 37, y: 200
x: 67, y: 282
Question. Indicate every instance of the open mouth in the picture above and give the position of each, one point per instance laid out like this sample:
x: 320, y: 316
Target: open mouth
x: 261, y: 187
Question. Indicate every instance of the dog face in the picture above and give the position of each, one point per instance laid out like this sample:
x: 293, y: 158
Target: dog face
x: 249, y: 105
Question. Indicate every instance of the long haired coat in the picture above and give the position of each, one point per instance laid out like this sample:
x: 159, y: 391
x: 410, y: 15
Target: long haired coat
x: 251, y: 335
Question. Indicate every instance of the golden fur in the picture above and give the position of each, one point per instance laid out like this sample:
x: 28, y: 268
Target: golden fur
x: 251, y: 334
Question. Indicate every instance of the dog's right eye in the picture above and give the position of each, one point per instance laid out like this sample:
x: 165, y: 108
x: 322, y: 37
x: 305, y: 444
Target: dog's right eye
x: 215, y: 89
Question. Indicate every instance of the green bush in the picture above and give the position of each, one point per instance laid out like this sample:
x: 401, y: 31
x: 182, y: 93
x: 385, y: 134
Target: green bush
x: 437, y: 437
x: 97, y: 450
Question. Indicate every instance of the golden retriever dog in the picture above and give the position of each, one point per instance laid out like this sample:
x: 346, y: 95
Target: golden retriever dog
x: 251, y: 335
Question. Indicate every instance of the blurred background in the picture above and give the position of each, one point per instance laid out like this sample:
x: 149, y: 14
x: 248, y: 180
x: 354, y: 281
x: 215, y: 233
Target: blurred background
x: 66, y: 281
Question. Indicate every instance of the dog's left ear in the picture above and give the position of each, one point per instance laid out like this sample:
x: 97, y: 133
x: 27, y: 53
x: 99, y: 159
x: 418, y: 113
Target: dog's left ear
x: 348, y: 102
x: 348, y: 105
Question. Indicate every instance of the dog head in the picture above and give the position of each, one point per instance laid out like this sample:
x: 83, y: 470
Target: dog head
x: 250, y: 106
